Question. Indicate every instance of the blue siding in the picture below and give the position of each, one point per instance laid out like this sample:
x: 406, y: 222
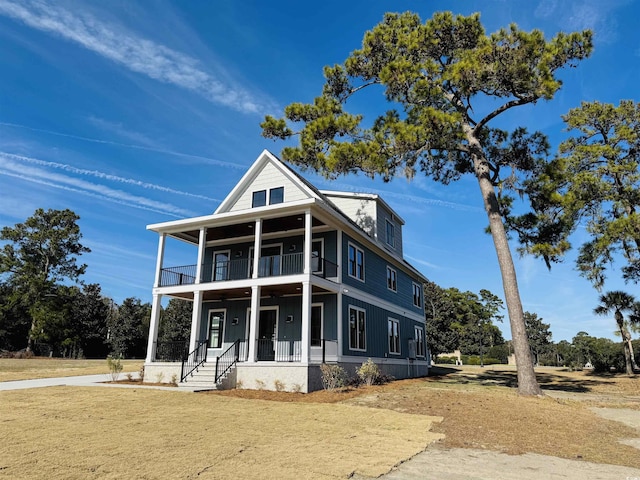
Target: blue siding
x: 287, y: 306
x: 375, y: 276
x: 377, y: 339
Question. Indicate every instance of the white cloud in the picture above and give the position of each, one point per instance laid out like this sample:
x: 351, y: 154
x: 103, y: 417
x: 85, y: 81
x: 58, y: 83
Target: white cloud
x: 102, y: 175
x: 136, y: 53
x: 11, y: 168
x: 198, y: 158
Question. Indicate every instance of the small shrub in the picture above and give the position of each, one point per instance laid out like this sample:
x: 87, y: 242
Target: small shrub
x: 129, y: 377
x: 141, y: 373
x: 159, y: 377
x: 239, y: 385
x: 297, y: 388
x: 333, y: 376
x: 174, y: 380
x: 279, y: 386
x: 368, y: 372
x: 115, y: 367
x: 446, y: 360
x: 260, y: 385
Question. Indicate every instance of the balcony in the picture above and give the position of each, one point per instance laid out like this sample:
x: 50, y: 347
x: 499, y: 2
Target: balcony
x: 241, y: 269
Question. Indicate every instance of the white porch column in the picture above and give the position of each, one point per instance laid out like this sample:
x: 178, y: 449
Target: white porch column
x: 153, y: 328
x: 339, y: 255
x: 195, y: 320
x: 159, y: 259
x: 253, y: 322
x: 307, y: 242
x: 306, y: 321
x: 256, y: 247
x: 201, y: 247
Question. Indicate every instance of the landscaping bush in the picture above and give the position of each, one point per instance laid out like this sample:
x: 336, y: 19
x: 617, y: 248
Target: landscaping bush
x: 368, y: 372
x: 333, y: 376
x: 115, y: 367
x: 447, y: 360
x: 475, y: 360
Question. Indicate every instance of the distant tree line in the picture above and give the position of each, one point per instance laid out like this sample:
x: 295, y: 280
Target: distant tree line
x: 46, y: 309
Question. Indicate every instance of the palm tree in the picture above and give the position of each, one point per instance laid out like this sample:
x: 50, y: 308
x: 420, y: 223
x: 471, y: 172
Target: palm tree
x: 620, y: 302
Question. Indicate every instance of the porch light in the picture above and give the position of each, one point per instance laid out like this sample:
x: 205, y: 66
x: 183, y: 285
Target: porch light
x: 234, y: 321
x: 238, y: 253
x: 292, y: 248
x: 289, y: 319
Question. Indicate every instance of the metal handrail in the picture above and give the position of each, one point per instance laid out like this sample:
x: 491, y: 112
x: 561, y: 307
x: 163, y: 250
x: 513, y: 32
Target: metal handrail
x: 227, y: 360
x: 194, y: 359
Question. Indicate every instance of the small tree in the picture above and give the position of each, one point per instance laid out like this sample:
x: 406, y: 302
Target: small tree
x: 619, y: 303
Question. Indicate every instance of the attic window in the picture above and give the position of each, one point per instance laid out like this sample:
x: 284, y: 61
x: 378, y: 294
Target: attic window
x: 259, y: 198
x: 276, y: 195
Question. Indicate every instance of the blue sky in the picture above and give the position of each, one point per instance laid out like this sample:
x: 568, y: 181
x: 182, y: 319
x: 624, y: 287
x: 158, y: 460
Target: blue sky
x: 138, y: 112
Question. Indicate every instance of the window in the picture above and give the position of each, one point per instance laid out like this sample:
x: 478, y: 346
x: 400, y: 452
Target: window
x: 417, y: 295
x: 356, y: 262
x: 391, y: 234
x: 221, y: 265
x: 316, y: 325
x: 276, y: 195
x: 259, y: 198
x: 216, y: 328
x: 357, y: 333
x: 392, y: 279
x: 419, y: 337
x: 317, y: 265
x: 394, y: 336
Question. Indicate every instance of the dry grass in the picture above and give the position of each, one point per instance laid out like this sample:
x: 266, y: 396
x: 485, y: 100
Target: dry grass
x: 40, y: 367
x: 481, y: 409
x: 84, y: 433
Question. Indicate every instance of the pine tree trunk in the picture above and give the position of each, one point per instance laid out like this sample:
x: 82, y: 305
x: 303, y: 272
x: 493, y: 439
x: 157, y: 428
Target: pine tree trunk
x: 527, y: 383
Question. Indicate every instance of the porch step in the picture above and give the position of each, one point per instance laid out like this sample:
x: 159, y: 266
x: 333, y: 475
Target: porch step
x: 202, y: 379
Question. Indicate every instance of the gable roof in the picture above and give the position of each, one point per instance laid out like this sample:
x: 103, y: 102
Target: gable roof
x: 253, y: 179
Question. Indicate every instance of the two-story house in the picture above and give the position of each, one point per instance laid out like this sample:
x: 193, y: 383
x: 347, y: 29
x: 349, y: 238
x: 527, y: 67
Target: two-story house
x: 284, y: 278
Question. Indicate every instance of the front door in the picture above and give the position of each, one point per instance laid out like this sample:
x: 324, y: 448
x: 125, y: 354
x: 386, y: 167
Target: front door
x: 267, y: 335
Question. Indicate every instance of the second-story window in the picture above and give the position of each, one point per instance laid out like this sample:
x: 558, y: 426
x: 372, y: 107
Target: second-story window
x: 391, y: 234
x: 417, y: 295
x: 392, y: 279
x: 356, y: 262
x: 259, y: 198
x: 276, y: 195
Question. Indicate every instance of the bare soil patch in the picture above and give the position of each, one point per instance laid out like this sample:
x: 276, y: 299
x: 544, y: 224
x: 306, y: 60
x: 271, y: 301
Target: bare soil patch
x: 85, y: 433
x: 44, y: 367
x: 481, y: 409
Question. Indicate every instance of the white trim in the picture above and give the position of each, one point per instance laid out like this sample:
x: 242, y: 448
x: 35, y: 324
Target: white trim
x: 424, y: 341
x: 357, y: 248
x: 397, y: 322
x: 159, y: 259
x: 389, y: 268
x: 214, y: 264
x: 386, y: 233
x: 320, y: 254
x: 321, y: 305
x: 359, y: 309
x: 420, y: 295
x: 224, y: 326
x: 353, y: 292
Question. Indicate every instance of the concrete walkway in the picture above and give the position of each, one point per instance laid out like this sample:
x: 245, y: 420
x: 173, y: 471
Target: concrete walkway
x: 79, y: 381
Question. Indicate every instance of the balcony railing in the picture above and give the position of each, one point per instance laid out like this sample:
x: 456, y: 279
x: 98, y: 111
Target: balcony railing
x: 242, y: 268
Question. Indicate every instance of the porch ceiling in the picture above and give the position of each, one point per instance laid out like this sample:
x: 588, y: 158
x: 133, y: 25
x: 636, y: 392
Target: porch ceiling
x: 245, y: 229
x: 272, y: 291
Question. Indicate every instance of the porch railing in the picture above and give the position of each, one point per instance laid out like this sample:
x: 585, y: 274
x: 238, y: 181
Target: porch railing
x: 281, y: 350
x: 227, y: 360
x: 194, y: 359
x: 171, y: 351
x: 242, y: 268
